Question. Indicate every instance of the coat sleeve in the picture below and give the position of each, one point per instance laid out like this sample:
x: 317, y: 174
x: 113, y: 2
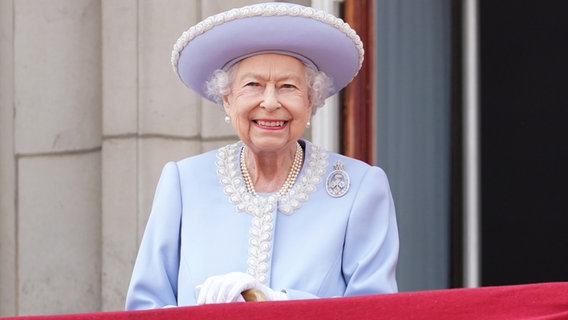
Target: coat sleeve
x: 155, y: 275
x: 371, y: 241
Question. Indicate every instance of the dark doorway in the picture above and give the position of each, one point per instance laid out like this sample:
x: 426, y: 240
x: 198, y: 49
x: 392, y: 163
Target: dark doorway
x: 524, y: 148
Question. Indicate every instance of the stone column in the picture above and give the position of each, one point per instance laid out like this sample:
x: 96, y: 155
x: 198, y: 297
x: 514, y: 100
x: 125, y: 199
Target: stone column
x: 7, y: 164
x: 57, y: 141
x: 149, y: 118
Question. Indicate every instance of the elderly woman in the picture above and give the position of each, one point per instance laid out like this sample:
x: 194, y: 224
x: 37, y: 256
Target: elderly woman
x: 271, y: 212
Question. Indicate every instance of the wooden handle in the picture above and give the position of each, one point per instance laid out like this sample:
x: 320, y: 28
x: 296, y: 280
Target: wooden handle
x: 253, y: 295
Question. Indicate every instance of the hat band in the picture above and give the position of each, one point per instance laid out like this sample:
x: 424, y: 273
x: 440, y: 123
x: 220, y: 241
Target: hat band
x: 298, y: 56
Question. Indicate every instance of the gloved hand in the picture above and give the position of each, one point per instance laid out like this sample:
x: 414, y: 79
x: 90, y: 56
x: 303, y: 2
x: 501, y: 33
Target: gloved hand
x: 228, y: 288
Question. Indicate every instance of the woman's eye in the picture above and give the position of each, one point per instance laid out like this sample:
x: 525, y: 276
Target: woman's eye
x: 252, y: 84
x: 288, y: 86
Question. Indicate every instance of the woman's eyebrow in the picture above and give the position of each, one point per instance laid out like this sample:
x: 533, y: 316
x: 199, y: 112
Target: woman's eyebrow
x: 256, y: 75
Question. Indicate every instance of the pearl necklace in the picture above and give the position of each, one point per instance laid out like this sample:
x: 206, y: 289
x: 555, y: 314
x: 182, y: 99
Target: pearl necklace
x: 292, y: 175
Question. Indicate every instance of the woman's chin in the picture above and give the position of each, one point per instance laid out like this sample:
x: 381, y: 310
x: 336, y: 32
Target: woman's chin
x: 269, y: 144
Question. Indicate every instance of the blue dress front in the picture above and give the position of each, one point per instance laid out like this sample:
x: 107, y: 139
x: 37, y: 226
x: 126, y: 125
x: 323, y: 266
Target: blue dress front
x: 333, y: 234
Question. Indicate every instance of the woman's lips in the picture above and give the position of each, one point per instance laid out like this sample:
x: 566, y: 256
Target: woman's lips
x: 271, y: 124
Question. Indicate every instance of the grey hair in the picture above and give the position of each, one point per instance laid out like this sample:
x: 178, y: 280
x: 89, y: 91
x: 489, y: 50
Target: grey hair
x: 320, y: 85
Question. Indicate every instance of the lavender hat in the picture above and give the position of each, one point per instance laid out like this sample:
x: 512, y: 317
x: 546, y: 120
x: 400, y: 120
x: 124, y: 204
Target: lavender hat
x: 311, y: 35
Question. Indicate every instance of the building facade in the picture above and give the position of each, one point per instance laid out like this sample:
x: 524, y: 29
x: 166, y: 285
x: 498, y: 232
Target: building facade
x: 90, y: 111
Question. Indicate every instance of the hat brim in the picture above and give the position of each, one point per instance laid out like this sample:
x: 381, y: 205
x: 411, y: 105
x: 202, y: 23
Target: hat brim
x: 330, y: 48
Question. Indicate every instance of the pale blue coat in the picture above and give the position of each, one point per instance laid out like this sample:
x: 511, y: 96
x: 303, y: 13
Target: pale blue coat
x: 323, y: 246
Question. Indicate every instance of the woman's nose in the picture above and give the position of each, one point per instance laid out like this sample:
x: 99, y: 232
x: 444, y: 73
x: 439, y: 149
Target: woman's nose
x: 270, y: 99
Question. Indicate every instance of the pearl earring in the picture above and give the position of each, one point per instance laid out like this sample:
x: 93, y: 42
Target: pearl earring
x: 227, y: 119
x: 308, y: 124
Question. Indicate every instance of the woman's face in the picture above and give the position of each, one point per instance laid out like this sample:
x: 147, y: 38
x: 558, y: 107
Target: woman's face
x: 269, y: 104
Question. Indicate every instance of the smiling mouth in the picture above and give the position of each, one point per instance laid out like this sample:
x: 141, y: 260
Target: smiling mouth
x: 271, y: 124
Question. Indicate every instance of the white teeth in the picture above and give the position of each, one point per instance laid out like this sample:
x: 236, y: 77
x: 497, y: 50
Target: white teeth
x: 271, y: 123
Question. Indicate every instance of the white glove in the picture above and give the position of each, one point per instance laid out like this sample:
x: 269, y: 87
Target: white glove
x: 228, y: 288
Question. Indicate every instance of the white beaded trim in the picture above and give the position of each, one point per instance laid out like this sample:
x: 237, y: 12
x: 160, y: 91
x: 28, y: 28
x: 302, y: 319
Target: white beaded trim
x: 262, y: 207
x: 265, y: 10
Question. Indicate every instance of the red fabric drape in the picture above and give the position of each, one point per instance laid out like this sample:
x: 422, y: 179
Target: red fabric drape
x: 533, y: 301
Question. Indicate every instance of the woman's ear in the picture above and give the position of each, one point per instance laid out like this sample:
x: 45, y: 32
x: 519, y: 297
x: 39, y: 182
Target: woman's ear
x: 226, y: 104
x: 311, y: 110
